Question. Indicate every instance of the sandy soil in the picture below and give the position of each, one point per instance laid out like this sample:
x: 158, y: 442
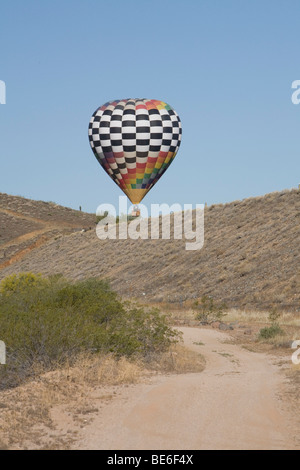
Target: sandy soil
x: 237, y: 402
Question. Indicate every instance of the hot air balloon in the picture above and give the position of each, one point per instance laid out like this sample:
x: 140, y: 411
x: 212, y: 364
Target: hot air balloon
x: 135, y: 141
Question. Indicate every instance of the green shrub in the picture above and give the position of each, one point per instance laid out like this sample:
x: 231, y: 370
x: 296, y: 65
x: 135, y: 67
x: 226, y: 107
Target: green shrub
x: 46, y: 321
x: 269, y: 332
x: 140, y: 332
x: 208, y: 311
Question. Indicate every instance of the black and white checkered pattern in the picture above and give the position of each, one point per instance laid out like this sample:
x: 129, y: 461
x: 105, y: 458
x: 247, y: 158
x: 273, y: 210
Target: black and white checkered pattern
x: 122, y: 136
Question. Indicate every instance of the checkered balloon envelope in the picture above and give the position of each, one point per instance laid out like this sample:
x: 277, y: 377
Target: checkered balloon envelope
x: 135, y: 141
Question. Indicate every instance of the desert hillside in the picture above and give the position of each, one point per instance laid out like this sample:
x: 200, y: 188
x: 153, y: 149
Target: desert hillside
x: 26, y: 224
x: 250, y: 257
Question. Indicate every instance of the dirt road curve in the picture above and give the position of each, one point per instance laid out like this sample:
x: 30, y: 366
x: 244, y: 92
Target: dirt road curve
x: 234, y: 404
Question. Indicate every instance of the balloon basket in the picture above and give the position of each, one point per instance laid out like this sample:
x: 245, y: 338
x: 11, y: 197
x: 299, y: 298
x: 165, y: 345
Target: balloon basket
x: 135, y: 211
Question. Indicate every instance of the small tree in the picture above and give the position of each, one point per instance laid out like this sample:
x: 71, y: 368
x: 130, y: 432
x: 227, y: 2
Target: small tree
x: 269, y: 332
x: 207, y: 310
x: 274, y: 316
x: 101, y: 216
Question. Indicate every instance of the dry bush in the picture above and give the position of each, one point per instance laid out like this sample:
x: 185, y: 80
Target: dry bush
x: 178, y: 360
x: 94, y: 370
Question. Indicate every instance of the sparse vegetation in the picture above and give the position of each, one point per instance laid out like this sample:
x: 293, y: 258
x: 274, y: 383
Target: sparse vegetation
x: 208, y: 311
x: 46, y: 322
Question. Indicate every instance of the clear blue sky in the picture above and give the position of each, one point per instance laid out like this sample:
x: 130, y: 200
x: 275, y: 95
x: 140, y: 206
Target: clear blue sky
x: 225, y: 66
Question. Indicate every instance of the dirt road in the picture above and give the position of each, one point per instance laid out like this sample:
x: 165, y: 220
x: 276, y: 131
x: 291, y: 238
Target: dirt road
x: 233, y: 404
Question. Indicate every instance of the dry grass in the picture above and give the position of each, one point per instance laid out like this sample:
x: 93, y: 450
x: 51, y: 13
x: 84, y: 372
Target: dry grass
x: 289, y: 322
x: 93, y: 370
x: 286, y: 318
x: 250, y: 259
x: 178, y: 360
x: 26, y: 411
